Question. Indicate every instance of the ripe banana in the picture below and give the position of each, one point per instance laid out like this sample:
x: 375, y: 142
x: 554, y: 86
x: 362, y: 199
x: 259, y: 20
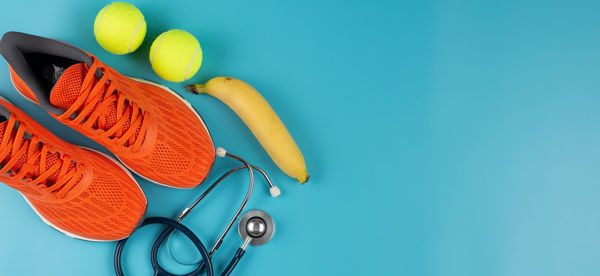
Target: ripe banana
x: 260, y: 118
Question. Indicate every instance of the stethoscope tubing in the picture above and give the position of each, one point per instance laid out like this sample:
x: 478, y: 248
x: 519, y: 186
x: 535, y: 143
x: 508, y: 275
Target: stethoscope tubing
x: 171, y: 226
x: 159, y: 271
x: 234, y: 261
x: 206, y: 261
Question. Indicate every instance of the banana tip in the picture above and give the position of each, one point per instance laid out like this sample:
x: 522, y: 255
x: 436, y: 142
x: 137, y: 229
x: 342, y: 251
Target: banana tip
x: 305, y: 179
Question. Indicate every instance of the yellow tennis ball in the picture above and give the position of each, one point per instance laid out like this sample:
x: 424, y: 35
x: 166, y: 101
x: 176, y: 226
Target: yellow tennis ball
x: 176, y: 55
x: 120, y: 28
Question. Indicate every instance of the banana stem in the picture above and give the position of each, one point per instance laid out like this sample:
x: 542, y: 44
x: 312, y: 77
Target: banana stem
x: 197, y: 88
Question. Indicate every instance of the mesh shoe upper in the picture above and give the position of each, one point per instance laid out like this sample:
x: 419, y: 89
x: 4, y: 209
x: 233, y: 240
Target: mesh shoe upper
x: 77, y: 191
x: 151, y: 129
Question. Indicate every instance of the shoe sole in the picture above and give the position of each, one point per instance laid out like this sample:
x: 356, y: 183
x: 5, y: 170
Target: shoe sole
x: 187, y: 104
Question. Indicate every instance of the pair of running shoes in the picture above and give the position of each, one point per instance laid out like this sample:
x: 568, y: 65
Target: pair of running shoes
x: 78, y: 191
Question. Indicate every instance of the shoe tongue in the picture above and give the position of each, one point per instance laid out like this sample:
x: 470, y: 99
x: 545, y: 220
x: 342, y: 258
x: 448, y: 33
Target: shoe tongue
x: 68, y: 87
x: 51, y: 159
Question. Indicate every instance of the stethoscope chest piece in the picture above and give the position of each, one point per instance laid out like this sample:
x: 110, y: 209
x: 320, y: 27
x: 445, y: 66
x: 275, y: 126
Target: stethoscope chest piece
x: 257, y: 226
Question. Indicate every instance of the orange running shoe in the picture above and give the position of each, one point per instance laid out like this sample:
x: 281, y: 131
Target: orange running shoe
x: 79, y: 192
x: 151, y: 129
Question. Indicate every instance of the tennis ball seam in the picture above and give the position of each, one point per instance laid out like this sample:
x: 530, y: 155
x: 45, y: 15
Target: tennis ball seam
x: 134, y: 32
x: 100, y: 20
x: 157, y: 46
x: 191, y: 62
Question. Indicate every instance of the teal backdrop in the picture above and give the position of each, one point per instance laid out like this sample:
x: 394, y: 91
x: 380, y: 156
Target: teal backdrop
x: 442, y: 137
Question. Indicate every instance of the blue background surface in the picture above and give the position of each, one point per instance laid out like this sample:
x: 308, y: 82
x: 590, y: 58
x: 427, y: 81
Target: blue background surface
x: 442, y: 137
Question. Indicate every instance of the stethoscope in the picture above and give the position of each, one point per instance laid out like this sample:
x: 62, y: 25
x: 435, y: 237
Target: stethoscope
x: 255, y: 228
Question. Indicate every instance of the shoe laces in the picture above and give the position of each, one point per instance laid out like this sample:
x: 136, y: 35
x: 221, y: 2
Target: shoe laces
x: 56, y: 178
x: 96, y: 98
